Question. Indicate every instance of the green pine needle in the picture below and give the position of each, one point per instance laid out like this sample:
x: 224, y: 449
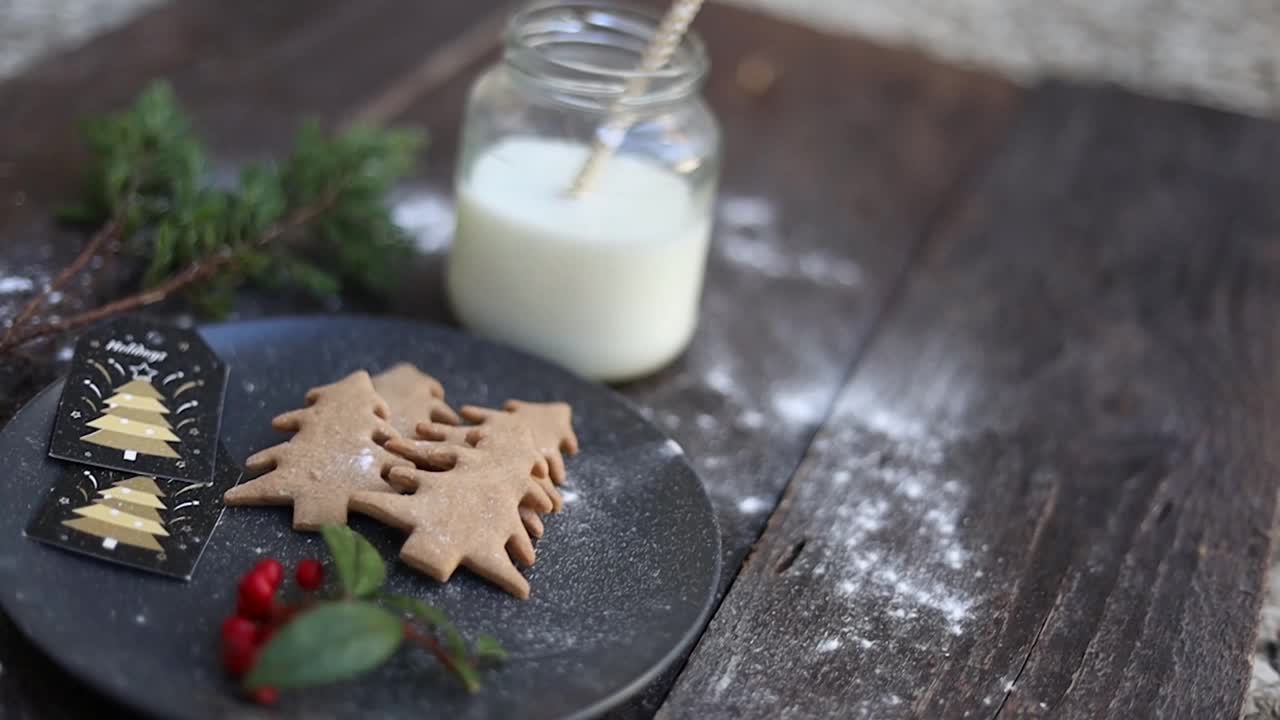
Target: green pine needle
x: 318, y: 221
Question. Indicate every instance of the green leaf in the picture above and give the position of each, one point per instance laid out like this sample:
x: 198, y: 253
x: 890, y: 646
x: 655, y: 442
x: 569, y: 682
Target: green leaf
x: 334, y: 641
x: 360, y: 568
x: 467, y: 674
x: 436, y: 620
x: 488, y: 648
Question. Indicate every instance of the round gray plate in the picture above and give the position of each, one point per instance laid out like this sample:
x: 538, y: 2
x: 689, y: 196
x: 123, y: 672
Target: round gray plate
x: 624, y: 579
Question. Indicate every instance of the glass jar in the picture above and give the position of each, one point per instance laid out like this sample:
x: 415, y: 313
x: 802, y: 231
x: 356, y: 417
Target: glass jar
x: 606, y: 283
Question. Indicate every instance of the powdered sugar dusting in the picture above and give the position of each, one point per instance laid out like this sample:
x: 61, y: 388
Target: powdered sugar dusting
x: 753, y: 505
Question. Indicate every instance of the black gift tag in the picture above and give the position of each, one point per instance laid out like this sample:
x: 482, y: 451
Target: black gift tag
x: 142, y: 398
x: 142, y: 521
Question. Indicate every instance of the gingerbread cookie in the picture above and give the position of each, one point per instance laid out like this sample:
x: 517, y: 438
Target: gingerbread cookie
x: 413, y: 396
x: 551, y: 425
x: 335, y: 453
x: 467, y: 515
x: 511, y: 437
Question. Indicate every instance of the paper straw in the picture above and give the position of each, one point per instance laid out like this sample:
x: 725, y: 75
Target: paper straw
x: 608, y: 136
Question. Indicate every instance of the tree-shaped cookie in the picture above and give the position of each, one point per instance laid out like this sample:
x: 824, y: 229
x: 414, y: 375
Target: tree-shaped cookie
x: 413, y: 397
x: 508, y: 437
x: 466, y: 515
x: 334, y: 454
x: 551, y: 425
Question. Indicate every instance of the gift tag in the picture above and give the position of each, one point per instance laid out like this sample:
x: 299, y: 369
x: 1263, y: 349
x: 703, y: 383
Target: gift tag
x: 142, y: 521
x: 142, y: 398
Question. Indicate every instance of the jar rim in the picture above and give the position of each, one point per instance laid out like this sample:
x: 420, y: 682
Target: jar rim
x: 550, y: 43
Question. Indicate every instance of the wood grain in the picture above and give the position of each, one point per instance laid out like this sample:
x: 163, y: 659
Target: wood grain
x: 1048, y: 489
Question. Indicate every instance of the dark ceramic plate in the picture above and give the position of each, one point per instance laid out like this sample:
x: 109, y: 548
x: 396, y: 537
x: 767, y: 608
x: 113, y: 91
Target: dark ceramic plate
x: 623, y: 583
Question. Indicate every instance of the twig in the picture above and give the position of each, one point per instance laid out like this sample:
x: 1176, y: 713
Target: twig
x: 195, y: 272
x: 90, y: 250
x: 430, y: 643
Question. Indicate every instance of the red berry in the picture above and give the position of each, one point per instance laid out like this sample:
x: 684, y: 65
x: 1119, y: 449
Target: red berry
x: 272, y: 570
x: 265, y: 696
x: 238, y: 631
x: 257, y: 597
x: 238, y: 660
x: 310, y: 574
x: 263, y: 634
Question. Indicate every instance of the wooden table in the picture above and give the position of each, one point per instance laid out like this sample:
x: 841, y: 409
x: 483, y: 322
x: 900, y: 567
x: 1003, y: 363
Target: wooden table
x: 985, y: 391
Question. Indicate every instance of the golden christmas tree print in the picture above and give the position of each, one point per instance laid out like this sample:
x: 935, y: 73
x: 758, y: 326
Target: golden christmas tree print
x: 127, y: 513
x: 134, y: 420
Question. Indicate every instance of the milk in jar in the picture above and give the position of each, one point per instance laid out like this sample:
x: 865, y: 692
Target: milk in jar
x: 607, y: 284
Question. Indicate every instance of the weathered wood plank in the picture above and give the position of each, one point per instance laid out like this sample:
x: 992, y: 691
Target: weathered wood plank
x: 1048, y: 489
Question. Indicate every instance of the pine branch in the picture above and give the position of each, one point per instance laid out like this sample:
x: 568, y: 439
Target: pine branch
x: 192, y: 274
x: 147, y: 190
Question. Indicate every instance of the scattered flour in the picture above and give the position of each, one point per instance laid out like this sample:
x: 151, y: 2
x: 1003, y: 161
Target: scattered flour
x: 762, y: 257
x: 426, y: 216
x: 14, y: 284
x: 829, y: 645
x: 727, y: 678
x: 66, y: 352
x: 569, y: 496
x: 140, y: 619
x: 745, y: 211
x: 365, y: 460
x: 917, y: 578
x: 753, y: 505
x: 801, y: 406
x: 671, y: 448
x: 752, y: 239
x: 751, y: 419
x: 720, y: 379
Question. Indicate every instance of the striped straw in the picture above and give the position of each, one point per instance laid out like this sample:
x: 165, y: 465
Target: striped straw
x: 670, y: 32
